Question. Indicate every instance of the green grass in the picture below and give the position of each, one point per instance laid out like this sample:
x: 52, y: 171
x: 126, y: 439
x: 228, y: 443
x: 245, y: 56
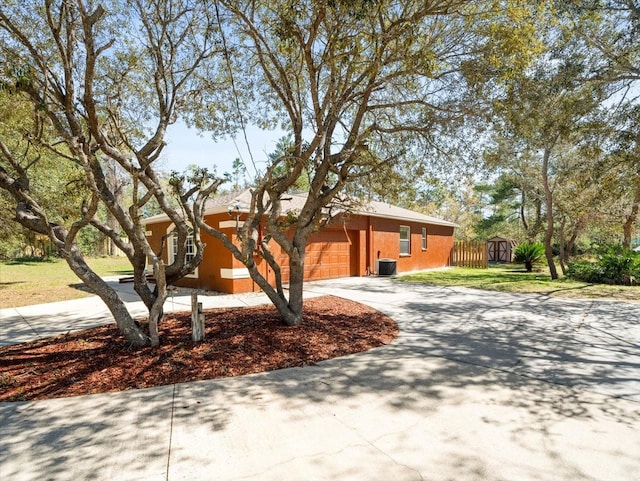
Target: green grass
x: 26, y: 282
x: 512, y: 278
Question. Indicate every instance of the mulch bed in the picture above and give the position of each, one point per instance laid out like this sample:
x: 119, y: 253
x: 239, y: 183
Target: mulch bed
x: 238, y: 341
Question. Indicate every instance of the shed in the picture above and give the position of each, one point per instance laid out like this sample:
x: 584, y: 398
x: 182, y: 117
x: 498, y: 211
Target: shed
x: 500, y: 249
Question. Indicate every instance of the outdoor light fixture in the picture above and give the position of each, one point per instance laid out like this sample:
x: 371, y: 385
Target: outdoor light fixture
x: 233, y: 208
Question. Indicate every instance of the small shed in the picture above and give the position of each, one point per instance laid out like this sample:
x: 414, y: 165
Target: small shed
x: 500, y: 249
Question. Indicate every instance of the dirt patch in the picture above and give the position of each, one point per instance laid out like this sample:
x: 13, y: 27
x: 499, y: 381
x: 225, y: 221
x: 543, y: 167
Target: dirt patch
x: 238, y: 341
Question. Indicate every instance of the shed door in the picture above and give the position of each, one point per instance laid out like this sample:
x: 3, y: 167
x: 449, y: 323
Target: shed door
x: 498, y: 251
x: 503, y: 251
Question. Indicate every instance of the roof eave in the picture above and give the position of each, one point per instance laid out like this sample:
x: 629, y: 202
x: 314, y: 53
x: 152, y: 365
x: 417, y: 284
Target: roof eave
x: 409, y: 219
x: 157, y: 219
x: 220, y: 210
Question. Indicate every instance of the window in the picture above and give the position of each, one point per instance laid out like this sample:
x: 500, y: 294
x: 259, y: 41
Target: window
x: 405, y: 240
x: 424, y: 238
x: 189, y: 254
x: 191, y: 248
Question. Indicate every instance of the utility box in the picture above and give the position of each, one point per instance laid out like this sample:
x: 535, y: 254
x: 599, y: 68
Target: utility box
x: 387, y: 267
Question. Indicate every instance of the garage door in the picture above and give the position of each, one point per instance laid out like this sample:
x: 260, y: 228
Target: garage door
x: 328, y: 256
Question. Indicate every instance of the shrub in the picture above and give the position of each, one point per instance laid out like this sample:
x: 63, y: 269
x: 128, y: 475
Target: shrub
x: 614, y: 266
x: 620, y: 267
x: 585, y: 271
x: 528, y: 254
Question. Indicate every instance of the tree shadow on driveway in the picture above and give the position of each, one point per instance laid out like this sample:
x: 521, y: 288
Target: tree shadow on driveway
x: 477, y: 386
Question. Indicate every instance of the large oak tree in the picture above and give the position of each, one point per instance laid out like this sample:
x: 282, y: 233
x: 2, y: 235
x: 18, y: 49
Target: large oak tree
x: 104, y: 82
x: 359, y: 84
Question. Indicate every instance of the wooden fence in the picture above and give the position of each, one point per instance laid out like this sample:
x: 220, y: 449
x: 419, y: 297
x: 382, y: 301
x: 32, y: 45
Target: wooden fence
x: 469, y: 254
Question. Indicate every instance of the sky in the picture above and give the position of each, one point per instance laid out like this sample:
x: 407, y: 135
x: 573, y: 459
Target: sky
x: 186, y: 146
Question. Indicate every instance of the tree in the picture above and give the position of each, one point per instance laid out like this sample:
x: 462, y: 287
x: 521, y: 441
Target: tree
x: 577, y: 198
x: 238, y: 173
x: 357, y: 83
x: 284, y: 148
x: 612, y: 29
x: 528, y: 254
x: 623, y: 174
x: 56, y: 185
x: 544, y: 113
x: 104, y: 82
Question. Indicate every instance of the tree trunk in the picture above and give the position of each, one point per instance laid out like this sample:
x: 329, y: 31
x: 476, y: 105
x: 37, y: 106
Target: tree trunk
x: 156, y: 310
x: 126, y: 324
x: 548, y: 194
x: 523, y: 217
x: 294, y: 312
x: 630, y: 220
x: 538, y: 222
x: 562, y: 255
x: 571, y: 243
x: 290, y: 309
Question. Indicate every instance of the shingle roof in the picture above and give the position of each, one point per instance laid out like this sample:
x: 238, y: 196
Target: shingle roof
x: 388, y: 211
x: 242, y: 201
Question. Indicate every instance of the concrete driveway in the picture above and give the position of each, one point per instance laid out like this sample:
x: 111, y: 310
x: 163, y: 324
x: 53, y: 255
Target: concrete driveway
x: 479, y: 386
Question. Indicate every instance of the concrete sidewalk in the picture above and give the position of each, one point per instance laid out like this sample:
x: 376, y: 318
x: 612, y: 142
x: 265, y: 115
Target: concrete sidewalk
x: 29, y: 323
x: 478, y: 386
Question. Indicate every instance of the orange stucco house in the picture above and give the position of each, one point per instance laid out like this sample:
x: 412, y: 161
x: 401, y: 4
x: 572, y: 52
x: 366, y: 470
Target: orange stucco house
x: 374, y: 238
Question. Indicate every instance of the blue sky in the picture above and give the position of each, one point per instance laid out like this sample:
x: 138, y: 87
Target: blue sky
x: 186, y: 146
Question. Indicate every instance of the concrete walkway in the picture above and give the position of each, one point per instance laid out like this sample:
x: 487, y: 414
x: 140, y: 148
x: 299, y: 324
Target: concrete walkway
x: 479, y: 386
x: 29, y: 323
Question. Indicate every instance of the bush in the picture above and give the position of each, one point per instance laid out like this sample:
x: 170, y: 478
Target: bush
x: 585, y: 271
x: 614, y: 266
x: 91, y: 241
x: 528, y: 254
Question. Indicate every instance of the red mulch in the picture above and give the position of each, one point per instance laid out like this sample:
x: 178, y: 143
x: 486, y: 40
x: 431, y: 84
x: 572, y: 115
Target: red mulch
x: 238, y: 341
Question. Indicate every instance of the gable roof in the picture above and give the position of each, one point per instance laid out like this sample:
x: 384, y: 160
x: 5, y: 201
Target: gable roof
x: 388, y: 211
x: 240, y: 202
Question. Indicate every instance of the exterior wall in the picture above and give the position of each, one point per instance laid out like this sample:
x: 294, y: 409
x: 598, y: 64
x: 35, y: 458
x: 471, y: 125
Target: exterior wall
x: 349, y: 247
x: 219, y: 270
x: 385, y: 244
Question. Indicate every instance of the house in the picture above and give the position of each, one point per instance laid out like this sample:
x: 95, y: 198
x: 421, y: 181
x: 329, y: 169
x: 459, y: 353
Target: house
x: 351, y: 246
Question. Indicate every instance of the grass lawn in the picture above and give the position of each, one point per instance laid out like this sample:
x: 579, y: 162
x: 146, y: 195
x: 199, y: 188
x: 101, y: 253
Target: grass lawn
x: 35, y: 282
x: 512, y: 278
x: 24, y: 283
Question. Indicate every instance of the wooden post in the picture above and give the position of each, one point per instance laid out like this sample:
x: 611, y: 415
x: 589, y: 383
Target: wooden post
x: 197, y: 319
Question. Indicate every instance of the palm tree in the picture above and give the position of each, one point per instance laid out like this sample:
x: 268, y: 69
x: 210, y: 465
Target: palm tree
x: 528, y: 253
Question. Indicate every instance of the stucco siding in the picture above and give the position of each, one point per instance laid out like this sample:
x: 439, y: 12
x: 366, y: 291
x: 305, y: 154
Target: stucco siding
x: 349, y: 247
x: 385, y: 244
